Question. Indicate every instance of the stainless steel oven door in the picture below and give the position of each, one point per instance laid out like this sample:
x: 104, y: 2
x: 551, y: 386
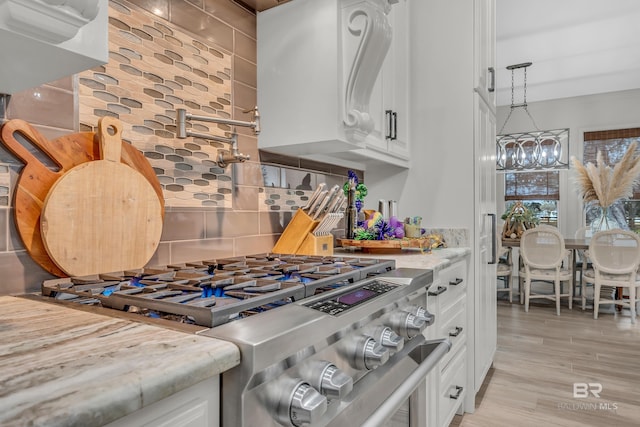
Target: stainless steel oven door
x: 393, y: 394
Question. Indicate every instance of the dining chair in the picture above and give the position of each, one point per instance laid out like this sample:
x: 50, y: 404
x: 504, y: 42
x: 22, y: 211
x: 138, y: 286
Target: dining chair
x: 504, y: 269
x: 582, y: 263
x: 545, y: 259
x: 615, y: 255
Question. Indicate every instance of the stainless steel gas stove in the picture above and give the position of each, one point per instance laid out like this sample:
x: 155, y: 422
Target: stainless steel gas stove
x: 324, y: 341
x: 213, y: 292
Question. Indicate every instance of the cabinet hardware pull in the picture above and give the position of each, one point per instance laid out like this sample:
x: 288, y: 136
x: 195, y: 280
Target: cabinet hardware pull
x: 457, y: 394
x: 388, y: 114
x: 439, y: 290
x: 395, y: 126
x: 457, y: 331
x: 494, y: 249
x: 492, y: 80
x: 456, y: 281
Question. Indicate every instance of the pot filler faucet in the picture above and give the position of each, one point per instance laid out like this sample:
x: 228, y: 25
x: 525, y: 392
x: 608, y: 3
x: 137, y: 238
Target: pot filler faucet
x: 225, y: 158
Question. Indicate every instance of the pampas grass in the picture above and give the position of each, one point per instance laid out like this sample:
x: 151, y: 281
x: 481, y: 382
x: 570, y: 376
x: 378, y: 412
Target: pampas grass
x: 602, y: 184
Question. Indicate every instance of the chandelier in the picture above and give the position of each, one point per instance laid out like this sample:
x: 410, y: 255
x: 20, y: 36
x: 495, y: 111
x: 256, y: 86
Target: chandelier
x: 530, y: 151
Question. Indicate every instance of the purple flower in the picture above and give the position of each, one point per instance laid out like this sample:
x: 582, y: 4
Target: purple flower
x: 352, y: 175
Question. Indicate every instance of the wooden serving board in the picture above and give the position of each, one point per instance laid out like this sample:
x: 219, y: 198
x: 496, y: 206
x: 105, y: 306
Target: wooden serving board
x: 36, y: 179
x: 393, y: 246
x: 102, y: 216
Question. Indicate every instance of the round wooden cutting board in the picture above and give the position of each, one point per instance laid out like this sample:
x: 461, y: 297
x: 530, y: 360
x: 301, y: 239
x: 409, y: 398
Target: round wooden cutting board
x: 102, y: 216
x: 36, y: 179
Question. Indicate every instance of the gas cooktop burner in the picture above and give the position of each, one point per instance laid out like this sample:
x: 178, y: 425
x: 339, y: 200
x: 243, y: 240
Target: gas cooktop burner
x: 213, y: 292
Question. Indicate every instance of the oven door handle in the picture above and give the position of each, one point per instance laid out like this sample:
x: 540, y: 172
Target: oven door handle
x: 404, y: 391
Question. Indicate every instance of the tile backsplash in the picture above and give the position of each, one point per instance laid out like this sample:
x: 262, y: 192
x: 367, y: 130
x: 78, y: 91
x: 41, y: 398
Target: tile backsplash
x: 168, y: 54
x: 154, y: 69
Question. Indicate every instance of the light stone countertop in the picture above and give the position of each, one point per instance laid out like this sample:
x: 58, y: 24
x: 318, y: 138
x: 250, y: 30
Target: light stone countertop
x: 409, y: 258
x: 65, y: 367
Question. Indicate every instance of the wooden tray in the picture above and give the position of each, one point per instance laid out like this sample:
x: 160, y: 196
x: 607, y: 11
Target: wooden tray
x: 393, y: 246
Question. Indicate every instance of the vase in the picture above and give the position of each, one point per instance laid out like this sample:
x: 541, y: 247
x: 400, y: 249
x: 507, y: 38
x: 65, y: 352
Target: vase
x: 604, y: 220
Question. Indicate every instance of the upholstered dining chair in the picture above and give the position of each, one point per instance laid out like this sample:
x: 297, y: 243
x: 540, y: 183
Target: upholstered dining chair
x: 545, y: 258
x: 504, y: 269
x: 615, y: 255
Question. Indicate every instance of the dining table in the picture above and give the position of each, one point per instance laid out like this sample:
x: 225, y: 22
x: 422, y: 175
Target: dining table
x: 569, y: 243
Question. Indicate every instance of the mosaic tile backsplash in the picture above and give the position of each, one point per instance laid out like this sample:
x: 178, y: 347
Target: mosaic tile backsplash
x: 153, y: 69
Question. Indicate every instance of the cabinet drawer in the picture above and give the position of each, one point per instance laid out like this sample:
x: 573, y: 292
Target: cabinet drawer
x: 454, y: 280
x: 452, y: 390
x: 454, y: 327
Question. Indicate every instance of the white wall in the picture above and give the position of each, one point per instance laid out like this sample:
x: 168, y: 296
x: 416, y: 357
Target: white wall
x: 615, y: 110
x: 439, y: 183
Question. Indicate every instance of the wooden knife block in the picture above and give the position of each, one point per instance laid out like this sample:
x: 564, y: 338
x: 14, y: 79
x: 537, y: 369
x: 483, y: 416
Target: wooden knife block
x: 298, y: 238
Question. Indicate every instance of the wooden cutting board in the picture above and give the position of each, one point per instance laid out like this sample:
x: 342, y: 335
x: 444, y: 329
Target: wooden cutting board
x: 35, y: 179
x: 102, y: 216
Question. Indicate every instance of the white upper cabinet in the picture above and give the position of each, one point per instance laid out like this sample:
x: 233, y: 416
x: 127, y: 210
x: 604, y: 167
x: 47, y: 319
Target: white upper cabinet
x: 485, y: 73
x: 44, y: 40
x: 329, y: 76
x: 389, y: 98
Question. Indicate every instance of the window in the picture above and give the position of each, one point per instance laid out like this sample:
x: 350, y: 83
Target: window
x: 613, y: 144
x: 539, y: 192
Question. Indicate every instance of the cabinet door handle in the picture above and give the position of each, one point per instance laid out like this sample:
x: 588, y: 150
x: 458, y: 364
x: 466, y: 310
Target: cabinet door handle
x: 456, y: 281
x: 395, y: 126
x: 439, y: 290
x: 457, y: 331
x: 457, y: 393
x: 492, y: 79
x: 388, y: 114
x: 494, y: 249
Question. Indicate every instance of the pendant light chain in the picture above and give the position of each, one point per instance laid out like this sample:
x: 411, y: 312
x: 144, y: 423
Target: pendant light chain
x: 524, y: 100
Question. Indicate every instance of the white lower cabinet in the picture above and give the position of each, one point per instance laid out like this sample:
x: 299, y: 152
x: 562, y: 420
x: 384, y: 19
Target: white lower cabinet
x: 196, y: 406
x: 447, y: 384
x: 451, y: 388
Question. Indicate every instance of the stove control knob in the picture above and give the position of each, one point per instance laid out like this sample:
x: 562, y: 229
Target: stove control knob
x: 407, y: 324
x: 374, y: 354
x: 327, y: 378
x: 364, y: 353
x: 307, y: 405
x: 386, y: 337
x: 334, y: 383
x: 421, y: 313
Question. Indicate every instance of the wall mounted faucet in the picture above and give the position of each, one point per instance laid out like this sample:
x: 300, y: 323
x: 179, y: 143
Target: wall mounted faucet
x: 234, y: 156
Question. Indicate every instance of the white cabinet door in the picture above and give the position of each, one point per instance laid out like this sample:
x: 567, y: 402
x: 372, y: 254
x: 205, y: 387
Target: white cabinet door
x: 485, y: 50
x: 389, y: 100
x: 485, y: 291
x: 196, y: 406
x: 396, y: 76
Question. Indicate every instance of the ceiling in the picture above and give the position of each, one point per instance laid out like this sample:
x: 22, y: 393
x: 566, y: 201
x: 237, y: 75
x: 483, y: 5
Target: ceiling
x: 576, y: 47
x: 259, y: 5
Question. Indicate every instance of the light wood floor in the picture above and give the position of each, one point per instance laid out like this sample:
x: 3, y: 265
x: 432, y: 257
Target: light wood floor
x: 539, y: 358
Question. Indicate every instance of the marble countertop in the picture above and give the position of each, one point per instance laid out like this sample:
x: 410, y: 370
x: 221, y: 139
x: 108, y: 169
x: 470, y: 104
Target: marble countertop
x: 65, y: 367
x: 409, y: 258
